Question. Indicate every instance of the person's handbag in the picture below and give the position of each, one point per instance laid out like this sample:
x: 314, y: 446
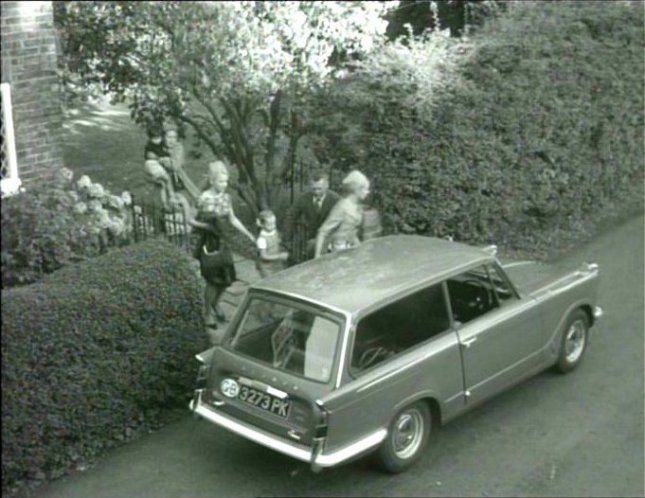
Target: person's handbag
x: 212, y: 262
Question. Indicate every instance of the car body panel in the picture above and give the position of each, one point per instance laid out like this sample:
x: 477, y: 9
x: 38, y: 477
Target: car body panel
x: 432, y: 370
x: 501, y: 346
x: 457, y: 369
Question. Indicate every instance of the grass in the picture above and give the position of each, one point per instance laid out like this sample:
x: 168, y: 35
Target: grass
x: 101, y: 141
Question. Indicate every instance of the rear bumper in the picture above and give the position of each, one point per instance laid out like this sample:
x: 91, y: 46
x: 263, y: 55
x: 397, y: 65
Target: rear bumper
x: 315, y: 455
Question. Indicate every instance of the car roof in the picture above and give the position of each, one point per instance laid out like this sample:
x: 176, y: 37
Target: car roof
x: 378, y: 269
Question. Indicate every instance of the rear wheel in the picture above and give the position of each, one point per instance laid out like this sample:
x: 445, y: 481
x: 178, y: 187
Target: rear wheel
x: 407, y: 436
x: 574, y: 341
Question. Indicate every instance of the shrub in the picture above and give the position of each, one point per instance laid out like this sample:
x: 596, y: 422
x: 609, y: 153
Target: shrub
x: 95, y: 353
x: 52, y: 224
x: 536, y: 125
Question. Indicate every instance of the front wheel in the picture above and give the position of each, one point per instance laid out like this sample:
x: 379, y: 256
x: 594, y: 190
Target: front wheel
x: 407, y: 436
x: 574, y: 341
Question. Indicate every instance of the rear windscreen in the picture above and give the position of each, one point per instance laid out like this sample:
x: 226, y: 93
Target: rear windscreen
x: 292, y: 339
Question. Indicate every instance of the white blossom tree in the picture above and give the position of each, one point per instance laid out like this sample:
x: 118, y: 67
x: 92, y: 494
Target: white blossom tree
x: 236, y: 72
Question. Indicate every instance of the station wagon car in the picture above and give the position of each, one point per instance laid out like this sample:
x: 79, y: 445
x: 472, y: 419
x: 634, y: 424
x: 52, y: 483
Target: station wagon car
x: 369, y: 349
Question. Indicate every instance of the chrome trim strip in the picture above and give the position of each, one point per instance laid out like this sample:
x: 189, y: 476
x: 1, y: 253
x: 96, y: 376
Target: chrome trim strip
x: 549, y: 293
x: 276, y: 392
x: 261, y: 386
x: 395, y: 371
x: 296, y: 451
x: 499, y: 315
x: 455, y: 396
x: 253, y: 434
x: 320, y: 304
x: 352, y: 450
x: 343, y: 351
x: 516, y: 263
x: 505, y: 370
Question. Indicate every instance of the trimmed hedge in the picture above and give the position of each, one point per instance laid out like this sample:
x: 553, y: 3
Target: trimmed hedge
x: 94, y: 354
x: 538, y: 128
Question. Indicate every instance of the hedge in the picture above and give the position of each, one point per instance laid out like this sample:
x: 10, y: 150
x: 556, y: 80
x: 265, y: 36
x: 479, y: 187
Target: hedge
x: 94, y: 354
x: 539, y: 128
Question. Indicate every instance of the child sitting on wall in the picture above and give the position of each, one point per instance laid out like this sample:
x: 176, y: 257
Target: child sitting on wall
x: 155, y: 154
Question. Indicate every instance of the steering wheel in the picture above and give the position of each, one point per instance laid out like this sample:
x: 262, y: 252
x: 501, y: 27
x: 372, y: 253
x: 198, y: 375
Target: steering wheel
x: 479, y: 303
x: 373, y: 355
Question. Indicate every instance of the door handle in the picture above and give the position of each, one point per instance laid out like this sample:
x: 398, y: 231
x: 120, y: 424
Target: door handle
x: 468, y: 342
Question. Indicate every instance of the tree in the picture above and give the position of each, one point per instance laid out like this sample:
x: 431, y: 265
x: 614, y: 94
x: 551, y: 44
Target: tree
x: 236, y: 72
x: 459, y: 16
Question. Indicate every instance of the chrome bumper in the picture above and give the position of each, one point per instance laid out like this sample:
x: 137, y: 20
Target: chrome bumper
x: 316, y: 456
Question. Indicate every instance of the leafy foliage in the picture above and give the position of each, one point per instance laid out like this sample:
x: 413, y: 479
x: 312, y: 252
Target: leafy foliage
x: 54, y: 223
x: 94, y: 354
x: 236, y: 72
x: 522, y: 129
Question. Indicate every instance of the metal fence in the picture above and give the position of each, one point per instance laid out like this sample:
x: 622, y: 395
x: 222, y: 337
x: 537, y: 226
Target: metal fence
x: 151, y: 220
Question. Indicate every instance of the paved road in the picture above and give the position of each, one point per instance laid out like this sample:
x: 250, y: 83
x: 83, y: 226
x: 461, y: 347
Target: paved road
x: 574, y: 435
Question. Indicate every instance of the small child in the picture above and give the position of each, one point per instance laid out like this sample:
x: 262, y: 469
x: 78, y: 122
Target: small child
x: 271, y: 259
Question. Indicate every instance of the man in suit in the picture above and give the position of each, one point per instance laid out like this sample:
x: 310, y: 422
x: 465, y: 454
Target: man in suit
x: 312, y: 209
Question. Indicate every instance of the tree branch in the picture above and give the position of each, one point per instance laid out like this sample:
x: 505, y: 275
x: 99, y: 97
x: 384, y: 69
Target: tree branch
x: 241, y: 143
x: 202, y: 134
x: 273, y: 121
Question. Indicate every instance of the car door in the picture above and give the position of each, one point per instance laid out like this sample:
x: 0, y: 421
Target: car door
x: 500, y: 334
x: 399, y: 352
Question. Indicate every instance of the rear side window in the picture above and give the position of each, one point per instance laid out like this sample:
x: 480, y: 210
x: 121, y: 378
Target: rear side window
x: 399, y: 326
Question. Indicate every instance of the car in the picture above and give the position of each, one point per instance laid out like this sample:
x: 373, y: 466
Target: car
x: 370, y: 349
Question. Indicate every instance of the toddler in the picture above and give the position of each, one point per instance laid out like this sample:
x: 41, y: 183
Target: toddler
x: 271, y: 258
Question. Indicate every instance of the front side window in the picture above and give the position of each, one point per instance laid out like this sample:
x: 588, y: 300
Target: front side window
x: 476, y: 292
x: 289, y: 337
x: 399, y: 326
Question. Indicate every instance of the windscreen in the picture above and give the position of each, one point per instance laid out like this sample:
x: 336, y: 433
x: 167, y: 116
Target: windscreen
x: 290, y: 338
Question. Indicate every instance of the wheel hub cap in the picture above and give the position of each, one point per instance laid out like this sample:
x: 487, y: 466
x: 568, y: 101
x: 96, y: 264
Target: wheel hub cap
x: 575, y: 341
x: 408, y: 433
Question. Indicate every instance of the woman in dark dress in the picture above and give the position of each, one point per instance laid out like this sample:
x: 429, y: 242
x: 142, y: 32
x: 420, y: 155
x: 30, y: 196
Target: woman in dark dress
x: 216, y: 262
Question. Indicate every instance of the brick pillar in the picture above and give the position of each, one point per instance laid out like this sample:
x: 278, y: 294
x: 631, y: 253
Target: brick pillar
x: 29, y: 65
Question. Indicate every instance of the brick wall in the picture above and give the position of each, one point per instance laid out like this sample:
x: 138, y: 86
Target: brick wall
x: 29, y: 65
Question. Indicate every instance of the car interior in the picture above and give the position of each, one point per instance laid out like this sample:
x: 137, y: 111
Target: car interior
x: 475, y: 293
x: 399, y: 326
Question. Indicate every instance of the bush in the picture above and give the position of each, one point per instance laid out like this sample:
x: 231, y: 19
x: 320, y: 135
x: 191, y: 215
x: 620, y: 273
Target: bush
x: 535, y: 126
x: 94, y: 354
x: 52, y: 224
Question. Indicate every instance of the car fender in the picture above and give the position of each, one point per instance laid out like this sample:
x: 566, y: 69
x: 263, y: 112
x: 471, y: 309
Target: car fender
x: 426, y: 395
x: 556, y: 336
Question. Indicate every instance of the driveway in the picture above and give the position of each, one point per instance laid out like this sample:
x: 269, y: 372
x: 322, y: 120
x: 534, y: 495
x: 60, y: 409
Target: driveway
x: 575, y: 435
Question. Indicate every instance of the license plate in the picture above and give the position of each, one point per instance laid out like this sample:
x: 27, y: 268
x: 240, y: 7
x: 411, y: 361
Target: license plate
x: 264, y: 401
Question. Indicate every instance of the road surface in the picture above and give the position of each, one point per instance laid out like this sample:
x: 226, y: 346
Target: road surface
x: 579, y: 434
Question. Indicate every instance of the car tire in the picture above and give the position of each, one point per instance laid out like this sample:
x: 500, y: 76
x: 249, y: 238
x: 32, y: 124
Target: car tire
x: 406, y: 438
x: 574, y: 341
